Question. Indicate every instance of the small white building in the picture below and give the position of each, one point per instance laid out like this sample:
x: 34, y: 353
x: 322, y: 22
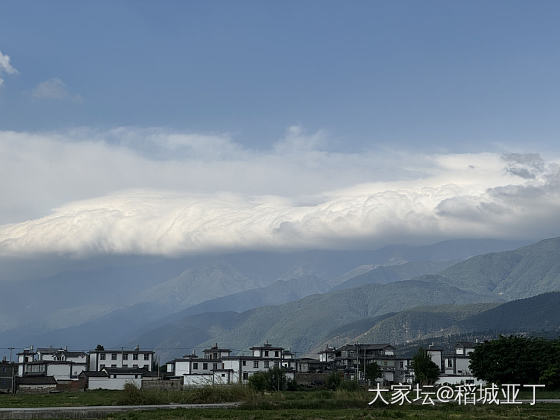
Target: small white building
x: 114, y: 378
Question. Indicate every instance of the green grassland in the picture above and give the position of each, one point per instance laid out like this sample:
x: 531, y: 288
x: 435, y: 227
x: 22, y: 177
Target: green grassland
x: 537, y: 412
x: 319, y: 404
x: 61, y: 399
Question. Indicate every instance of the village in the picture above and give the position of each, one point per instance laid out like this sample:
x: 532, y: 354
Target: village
x: 43, y: 370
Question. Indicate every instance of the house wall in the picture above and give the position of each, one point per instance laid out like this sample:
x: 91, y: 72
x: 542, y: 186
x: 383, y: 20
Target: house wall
x: 35, y: 389
x: 182, y: 368
x: 198, y: 379
x: 113, y: 383
x: 59, y: 371
x: 238, y: 369
x: 166, y: 384
x: 458, y: 379
x: 222, y: 378
x: 463, y: 366
x: 436, y: 357
x: 119, y: 361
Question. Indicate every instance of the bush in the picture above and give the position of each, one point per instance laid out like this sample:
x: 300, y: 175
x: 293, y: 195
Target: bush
x: 203, y: 395
x: 271, y: 380
x: 333, y: 381
x: 349, y: 386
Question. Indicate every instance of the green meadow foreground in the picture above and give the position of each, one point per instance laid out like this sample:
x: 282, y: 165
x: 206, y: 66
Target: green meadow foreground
x: 324, y: 404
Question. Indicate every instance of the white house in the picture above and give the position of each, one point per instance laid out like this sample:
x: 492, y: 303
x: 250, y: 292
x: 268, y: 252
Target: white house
x: 454, y: 366
x: 197, y: 371
x: 100, y: 359
x: 59, y: 363
x: 264, y: 357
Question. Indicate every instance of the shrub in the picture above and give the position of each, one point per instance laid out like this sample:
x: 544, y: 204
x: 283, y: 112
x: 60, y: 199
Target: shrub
x: 333, y: 381
x: 271, y: 380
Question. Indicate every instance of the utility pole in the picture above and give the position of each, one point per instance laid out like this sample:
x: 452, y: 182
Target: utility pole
x: 357, y: 360
x: 364, y: 363
x: 12, y: 370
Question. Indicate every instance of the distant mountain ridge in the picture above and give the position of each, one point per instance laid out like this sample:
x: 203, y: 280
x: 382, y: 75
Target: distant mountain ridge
x: 488, y: 278
x: 520, y: 273
x: 303, y: 324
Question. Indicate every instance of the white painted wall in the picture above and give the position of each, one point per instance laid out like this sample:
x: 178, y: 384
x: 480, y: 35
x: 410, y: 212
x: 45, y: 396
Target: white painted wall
x: 113, y: 383
x: 182, y: 368
x: 59, y: 371
x: 198, y: 379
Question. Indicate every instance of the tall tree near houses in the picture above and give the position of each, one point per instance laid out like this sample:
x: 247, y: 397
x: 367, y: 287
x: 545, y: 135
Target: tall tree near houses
x: 426, y: 371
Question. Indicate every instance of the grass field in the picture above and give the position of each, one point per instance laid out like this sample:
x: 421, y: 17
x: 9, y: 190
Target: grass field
x: 62, y: 399
x: 280, y: 405
x: 537, y: 412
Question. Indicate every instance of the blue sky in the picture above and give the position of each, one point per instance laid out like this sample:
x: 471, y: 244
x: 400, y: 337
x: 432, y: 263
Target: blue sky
x: 440, y: 75
x: 171, y: 127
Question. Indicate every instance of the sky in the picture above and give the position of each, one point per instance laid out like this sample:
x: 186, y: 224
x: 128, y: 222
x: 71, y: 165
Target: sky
x: 185, y: 126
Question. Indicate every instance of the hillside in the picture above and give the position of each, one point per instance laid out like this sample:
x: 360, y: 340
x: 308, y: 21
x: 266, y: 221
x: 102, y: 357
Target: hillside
x: 532, y: 315
x: 538, y: 313
x: 303, y: 324
x: 524, y: 272
x: 396, y: 272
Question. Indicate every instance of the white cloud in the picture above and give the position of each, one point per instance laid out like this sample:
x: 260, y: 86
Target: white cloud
x: 56, y: 89
x: 5, y: 66
x: 165, y: 193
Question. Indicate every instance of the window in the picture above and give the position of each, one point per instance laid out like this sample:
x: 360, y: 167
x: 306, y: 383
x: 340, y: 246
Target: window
x: 223, y: 374
x: 146, y: 356
x: 113, y: 356
x: 205, y: 366
x: 402, y: 365
x: 276, y: 353
x: 266, y: 353
x: 256, y: 364
x: 195, y: 365
x: 276, y: 364
x: 214, y: 366
x: 449, y: 362
x: 245, y: 375
x: 102, y: 356
x: 244, y: 363
x: 266, y: 364
x: 135, y: 356
x: 125, y: 356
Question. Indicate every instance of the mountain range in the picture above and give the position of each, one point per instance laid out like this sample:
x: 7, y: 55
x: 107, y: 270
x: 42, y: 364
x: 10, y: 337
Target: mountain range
x: 301, y: 300
x: 353, y: 314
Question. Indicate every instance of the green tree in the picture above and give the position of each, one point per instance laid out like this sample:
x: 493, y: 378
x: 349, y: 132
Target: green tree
x: 373, y: 371
x: 425, y: 371
x: 517, y: 359
x: 258, y: 381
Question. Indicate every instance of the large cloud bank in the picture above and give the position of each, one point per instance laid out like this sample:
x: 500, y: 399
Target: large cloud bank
x: 161, y: 193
